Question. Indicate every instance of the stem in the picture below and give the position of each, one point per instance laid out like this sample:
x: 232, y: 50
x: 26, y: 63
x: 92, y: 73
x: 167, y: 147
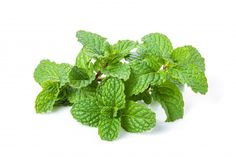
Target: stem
x: 99, y: 73
x: 98, y: 78
x: 164, y: 67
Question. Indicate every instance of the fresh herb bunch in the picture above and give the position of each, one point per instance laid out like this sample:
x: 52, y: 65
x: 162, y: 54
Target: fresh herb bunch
x: 110, y: 86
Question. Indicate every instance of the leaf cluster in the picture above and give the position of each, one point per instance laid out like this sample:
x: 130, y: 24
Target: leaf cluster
x: 111, y: 85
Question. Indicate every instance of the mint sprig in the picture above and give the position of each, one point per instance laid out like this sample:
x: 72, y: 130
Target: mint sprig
x: 111, y: 85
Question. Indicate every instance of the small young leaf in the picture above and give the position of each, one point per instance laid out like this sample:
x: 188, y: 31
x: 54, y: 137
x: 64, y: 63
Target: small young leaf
x: 171, y: 100
x: 137, y: 118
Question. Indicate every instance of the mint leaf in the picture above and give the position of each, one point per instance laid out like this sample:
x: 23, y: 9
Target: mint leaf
x: 95, y: 45
x: 78, y: 74
x: 123, y: 48
x: 81, y: 93
x: 53, y: 72
x: 87, y: 112
x: 192, y: 75
x: 111, y: 92
x: 83, y: 60
x: 80, y: 78
x: 188, y: 55
x: 109, y: 112
x: 63, y: 96
x: 47, y: 97
x: 139, y: 67
x: 171, y: 100
x: 153, y: 61
x: 138, y: 84
x: 119, y: 70
x: 143, y: 75
x: 137, y: 118
x: 156, y: 43
x: 108, y: 129
x: 190, y: 68
x: 145, y: 96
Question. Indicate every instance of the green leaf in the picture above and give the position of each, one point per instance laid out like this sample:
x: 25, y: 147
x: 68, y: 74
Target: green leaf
x: 192, y: 75
x: 77, y: 94
x: 111, y: 93
x: 62, y: 102
x: 156, y: 43
x: 143, y: 74
x: 80, y: 78
x: 123, y: 48
x: 137, y: 118
x: 139, y: 67
x: 95, y: 45
x: 119, y: 70
x: 171, y: 100
x: 50, y: 71
x: 47, y: 97
x: 83, y: 60
x: 138, y: 84
x: 62, y: 98
x: 145, y: 96
x: 108, y: 129
x: 109, y: 112
x: 188, y: 55
x: 153, y: 61
x: 78, y: 74
x: 87, y: 112
x: 177, y: 83
x: 64, y: 92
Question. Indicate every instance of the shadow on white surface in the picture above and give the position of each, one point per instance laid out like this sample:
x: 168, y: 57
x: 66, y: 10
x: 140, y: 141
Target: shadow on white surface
x: 123, y: 134
x: 161, y: 127
x: 60, y: 109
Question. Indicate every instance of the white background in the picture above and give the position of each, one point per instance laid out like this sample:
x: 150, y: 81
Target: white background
x: 34, y: 30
